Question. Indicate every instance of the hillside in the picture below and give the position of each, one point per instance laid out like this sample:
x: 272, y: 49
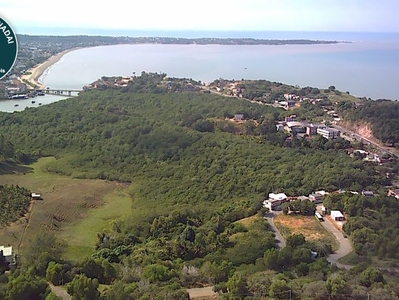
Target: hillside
x: 378, y: 117
x: 181, y: 141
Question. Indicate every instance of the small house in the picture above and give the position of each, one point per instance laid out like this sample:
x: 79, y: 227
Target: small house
x: 316, y: 197
x: 367, y: 193
x: 239, y: 117
x: 394, y: 193
x: 35, y: 196
x: 8, y: 254
x: 275, y: 200
x: 336, y: 215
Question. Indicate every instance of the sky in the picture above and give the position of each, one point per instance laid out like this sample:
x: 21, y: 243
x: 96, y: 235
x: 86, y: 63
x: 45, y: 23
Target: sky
x: 25, y: 16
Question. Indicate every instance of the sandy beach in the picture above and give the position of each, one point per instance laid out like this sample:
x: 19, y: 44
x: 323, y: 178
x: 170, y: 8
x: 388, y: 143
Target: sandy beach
x: 38, y: 70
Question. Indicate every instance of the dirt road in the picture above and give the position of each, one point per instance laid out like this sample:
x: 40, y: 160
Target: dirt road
x: 345, y: 246
x: 202, y: 293
x: 60, y: 292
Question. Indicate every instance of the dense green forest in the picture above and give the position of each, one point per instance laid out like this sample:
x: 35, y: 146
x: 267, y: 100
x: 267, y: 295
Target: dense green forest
x: 383, y: 116
x: 199, y: 173
x: 14, y: 203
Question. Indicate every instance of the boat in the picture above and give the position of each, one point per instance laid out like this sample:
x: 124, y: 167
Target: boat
x: 40, y: 104
x: 33, y: 101
x: 16, y: 104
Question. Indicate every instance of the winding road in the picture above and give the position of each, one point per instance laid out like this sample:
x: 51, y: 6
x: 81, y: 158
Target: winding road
x: 345, y: 246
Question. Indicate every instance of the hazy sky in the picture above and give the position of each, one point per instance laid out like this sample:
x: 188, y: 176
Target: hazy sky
x: 285, y: 15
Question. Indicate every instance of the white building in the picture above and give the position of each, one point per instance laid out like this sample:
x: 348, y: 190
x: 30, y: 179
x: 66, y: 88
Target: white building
x: 8, y: 254
x: 336, y: 215
x: 36, y: 196
x: 329, y: 133
x: 275, y: 200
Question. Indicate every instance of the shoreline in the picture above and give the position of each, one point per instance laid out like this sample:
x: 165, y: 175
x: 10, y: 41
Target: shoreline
x: 38, y: 70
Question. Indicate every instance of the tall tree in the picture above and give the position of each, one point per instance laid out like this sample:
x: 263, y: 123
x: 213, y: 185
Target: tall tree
x: 43, y: 248
x: 83, y: 288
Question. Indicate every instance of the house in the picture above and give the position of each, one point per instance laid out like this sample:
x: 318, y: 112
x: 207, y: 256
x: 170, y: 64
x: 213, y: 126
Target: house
x: 239, y: 117
x: 316, y: 197
x: 336, y: 215
x: 302, y: 198
x: 311, y: 129
x: 280, y: 127
x: 372, y: 157
x: 35, y: 196
x: 275, y: 200
x: 295, y: 127
x: 394, y: 193
x: 8, y: 254
x: 291, y: 118
x: 329, y: 133
x: 287, y: 104
x: 368, y: 193
x: 360, y: 152
x: 289, y: 96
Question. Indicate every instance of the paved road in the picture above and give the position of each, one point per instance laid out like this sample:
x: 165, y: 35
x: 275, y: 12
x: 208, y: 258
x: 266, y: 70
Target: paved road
x: 270, y: 218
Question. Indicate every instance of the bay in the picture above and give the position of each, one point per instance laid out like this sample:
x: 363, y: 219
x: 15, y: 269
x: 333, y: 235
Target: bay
x: 365, y: 69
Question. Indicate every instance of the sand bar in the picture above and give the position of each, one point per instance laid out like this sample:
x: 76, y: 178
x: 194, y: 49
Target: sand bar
x: 38, y: 70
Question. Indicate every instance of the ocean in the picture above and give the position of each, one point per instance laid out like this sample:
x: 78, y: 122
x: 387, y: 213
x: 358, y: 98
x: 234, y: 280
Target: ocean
x: 365, y: 67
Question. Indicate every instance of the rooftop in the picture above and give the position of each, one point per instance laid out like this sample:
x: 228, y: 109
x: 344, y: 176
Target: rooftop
x: 7, y: 251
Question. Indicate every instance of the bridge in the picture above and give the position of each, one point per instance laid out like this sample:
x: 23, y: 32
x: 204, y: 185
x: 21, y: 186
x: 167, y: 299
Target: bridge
x: 61, y: 92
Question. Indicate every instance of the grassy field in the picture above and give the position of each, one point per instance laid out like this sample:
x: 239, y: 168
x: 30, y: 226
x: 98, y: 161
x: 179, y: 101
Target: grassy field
x: 83, y: 233
x: 307, y: 225
x: 75, y: 209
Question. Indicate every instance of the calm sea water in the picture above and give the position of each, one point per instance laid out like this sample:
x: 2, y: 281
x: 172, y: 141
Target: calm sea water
x: 367, y: 67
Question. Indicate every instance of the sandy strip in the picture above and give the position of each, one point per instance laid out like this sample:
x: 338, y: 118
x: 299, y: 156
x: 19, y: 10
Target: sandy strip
x: 39, y: 69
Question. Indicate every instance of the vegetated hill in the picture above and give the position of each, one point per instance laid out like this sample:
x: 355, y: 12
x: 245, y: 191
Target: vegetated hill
x: 180, y: 144
x: 197, y: 173
x: 382, y: 117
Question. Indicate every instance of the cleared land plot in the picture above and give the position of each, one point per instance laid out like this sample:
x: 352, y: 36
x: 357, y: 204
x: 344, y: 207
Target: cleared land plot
x: 205, y: 293
x: 82, y: 235
x: 66, y: 202
x: 307, y: 225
